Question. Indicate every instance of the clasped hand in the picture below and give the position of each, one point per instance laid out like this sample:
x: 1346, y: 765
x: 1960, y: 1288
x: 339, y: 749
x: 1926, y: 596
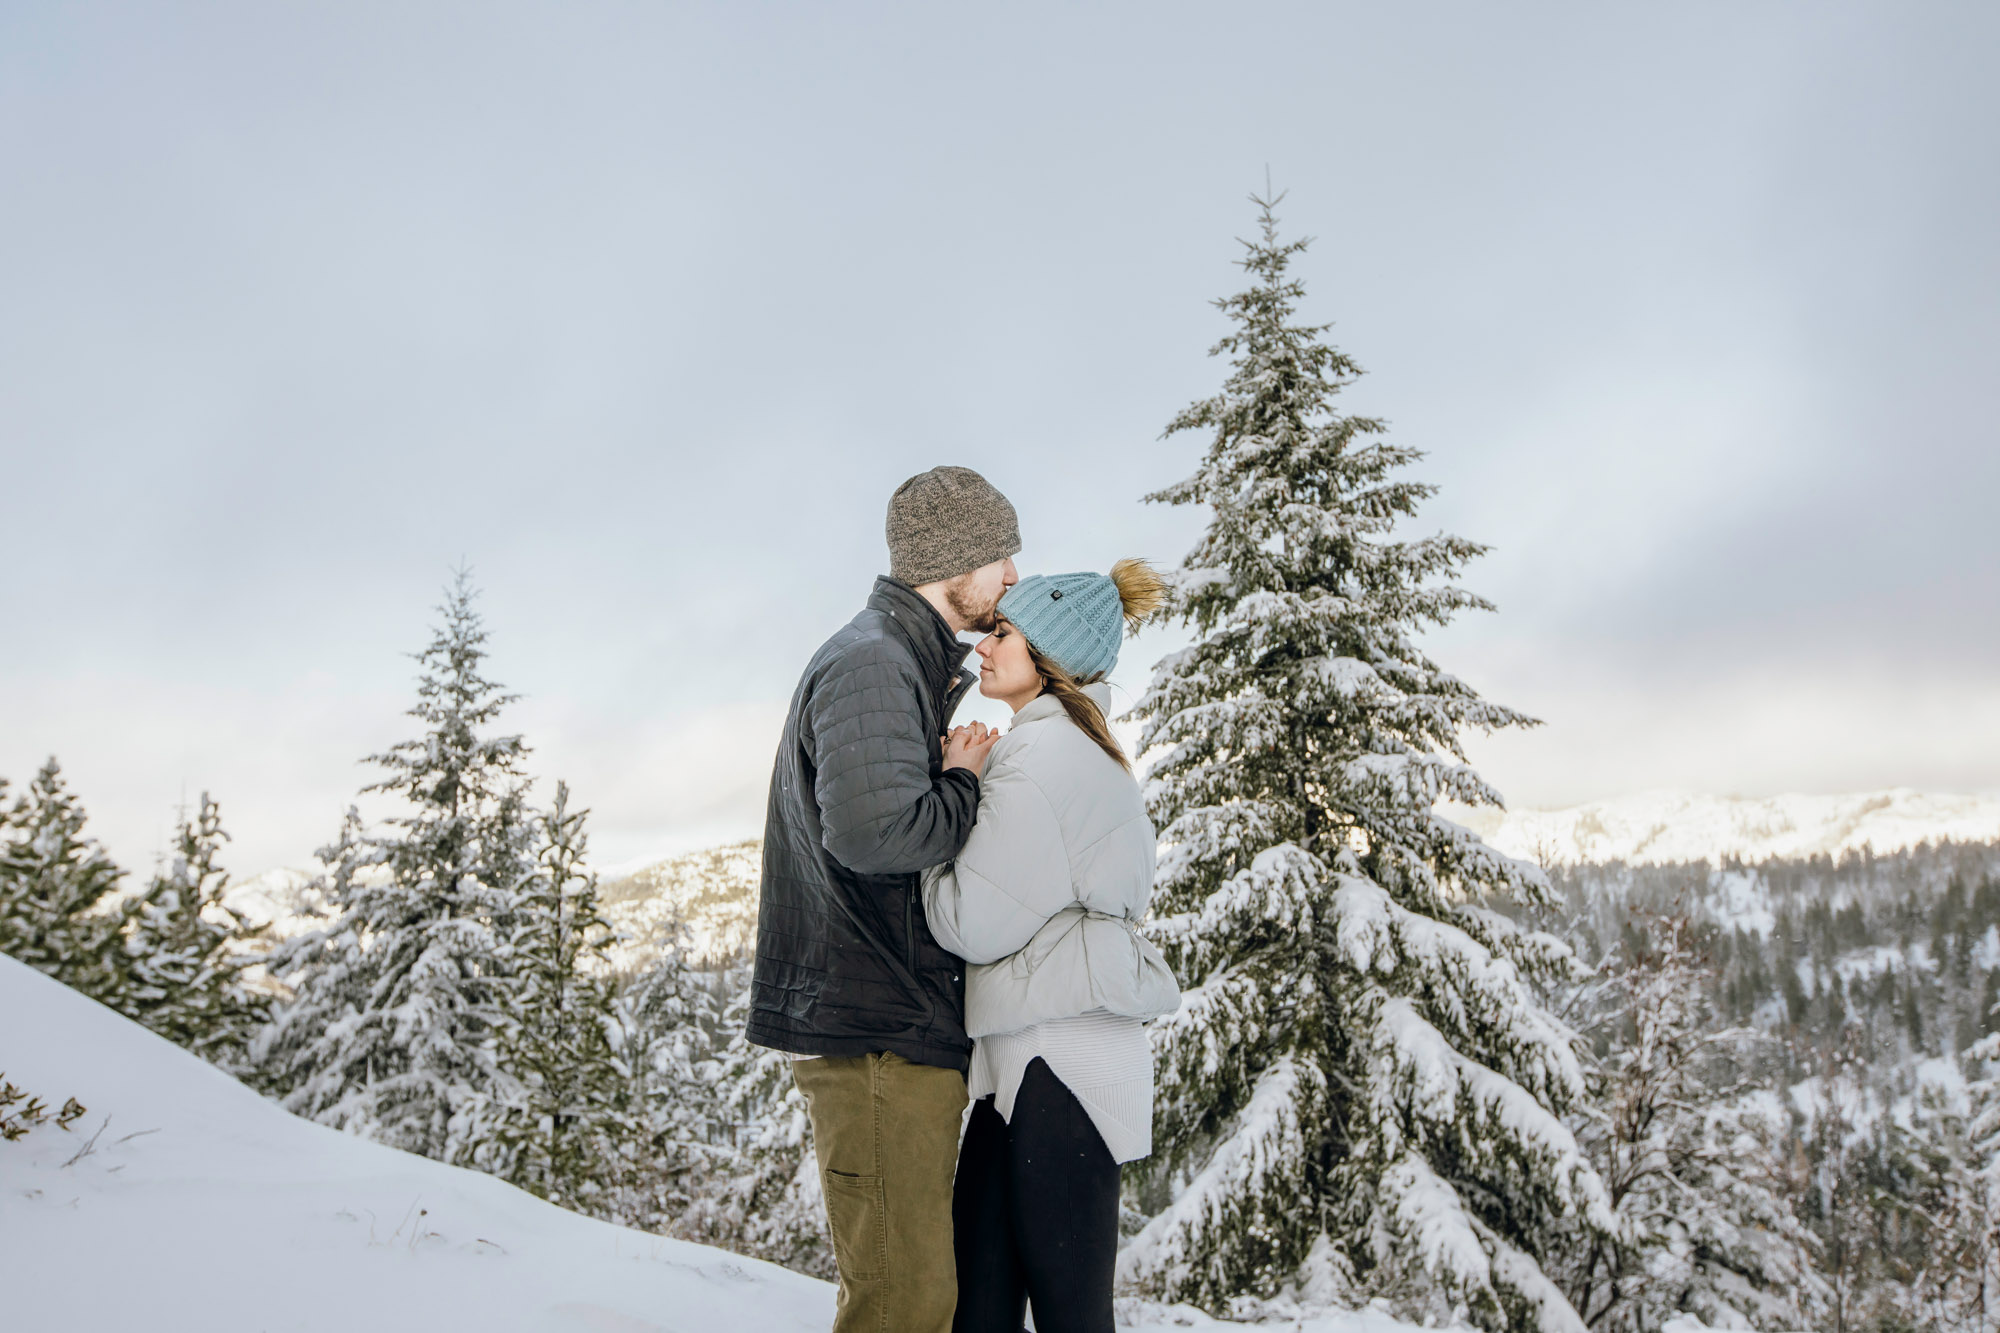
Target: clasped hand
x: 968, y: 746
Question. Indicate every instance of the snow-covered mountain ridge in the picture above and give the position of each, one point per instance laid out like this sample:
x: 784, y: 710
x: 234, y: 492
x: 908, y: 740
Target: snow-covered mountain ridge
x: 711, y: 895
x: 1663, y: 827
x: 708, y: 897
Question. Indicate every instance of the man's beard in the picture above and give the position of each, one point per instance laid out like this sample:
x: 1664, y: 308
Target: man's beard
x: 963, y: 599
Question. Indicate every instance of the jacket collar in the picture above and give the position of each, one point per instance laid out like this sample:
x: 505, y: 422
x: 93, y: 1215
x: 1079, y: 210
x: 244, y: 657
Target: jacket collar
x: 1047, y: 705
x: 935, y: 643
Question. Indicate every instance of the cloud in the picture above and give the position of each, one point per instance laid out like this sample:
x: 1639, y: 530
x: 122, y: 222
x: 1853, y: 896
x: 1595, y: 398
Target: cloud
x: 1738, y: 728
x: 1694, y: 320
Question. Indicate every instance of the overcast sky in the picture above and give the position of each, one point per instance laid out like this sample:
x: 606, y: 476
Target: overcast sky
x: 643, y: 310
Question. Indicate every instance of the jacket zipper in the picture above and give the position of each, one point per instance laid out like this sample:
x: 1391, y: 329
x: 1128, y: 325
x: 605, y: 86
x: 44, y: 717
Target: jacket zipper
x: 955, y: 690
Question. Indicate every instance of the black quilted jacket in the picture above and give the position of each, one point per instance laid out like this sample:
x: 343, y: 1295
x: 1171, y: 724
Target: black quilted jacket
x: 860, y: 802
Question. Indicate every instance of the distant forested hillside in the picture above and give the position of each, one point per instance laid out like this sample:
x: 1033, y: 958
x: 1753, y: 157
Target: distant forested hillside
x: 1863, y: 986
x: 1893, y: 959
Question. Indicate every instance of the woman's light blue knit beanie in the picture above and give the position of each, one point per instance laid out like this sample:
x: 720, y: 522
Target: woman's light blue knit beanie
x: 1077, y: 620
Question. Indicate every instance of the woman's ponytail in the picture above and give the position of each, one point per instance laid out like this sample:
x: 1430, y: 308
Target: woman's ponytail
x: 1082, y: 709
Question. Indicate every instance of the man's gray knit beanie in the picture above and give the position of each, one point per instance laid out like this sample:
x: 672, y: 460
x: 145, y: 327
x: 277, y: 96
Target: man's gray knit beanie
x: 946, y: 522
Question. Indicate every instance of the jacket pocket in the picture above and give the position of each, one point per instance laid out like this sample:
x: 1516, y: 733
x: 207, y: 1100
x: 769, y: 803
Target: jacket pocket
x: 857, y: 1212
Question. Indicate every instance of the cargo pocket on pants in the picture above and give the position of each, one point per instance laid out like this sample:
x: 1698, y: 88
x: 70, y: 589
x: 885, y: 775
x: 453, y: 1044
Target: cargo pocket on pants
x: 857, y: 1211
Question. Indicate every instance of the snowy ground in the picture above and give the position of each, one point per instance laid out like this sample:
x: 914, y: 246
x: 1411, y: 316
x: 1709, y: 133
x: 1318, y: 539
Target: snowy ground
x: 183, y: 1202
x: 204, y: 1206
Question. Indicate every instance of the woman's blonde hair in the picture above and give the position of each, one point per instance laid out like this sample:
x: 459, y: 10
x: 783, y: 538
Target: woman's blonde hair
x: 1141, y: 592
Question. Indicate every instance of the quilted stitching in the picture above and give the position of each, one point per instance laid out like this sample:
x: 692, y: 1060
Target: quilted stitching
x: 860, y: 802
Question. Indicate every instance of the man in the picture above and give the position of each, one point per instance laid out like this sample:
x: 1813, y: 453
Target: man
x: 867, y: 793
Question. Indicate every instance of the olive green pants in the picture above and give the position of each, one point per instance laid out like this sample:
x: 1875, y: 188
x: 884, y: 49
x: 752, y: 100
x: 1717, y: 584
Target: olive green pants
x: 885, y: 1132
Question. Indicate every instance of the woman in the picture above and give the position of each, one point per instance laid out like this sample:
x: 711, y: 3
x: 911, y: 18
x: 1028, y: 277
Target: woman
x: 1043, y: 904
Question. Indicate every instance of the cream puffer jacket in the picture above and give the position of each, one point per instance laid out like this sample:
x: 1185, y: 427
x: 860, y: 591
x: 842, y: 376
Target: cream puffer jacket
x: 1044, y: 901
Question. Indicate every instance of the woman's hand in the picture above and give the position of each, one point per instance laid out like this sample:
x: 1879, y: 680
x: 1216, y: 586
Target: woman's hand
x: 968, y: 746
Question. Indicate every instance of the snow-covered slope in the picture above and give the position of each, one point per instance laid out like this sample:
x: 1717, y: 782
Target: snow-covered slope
x: 203, y: 1206
x: 1665, y: 826
x: 182, y: 1202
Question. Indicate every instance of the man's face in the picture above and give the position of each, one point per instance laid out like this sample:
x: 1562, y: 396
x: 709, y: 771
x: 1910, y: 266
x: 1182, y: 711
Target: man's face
x: 974, y: 598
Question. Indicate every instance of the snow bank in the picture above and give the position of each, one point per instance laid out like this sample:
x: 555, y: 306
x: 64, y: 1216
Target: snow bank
x: 203, y: 1206
x: 1145, y: 1315
x: 182, y: 1202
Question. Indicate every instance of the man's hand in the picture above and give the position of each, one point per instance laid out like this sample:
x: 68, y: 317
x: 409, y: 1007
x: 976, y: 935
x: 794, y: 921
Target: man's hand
x: 968, y: 746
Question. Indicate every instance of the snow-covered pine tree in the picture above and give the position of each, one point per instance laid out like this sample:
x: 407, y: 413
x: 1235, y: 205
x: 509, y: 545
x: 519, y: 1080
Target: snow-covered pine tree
x: 1842, y: 1174
x: 186, y: 950
x: 770, y: 1205
x: 1688, y: 1146
x: 397, y: 1002
x: 58, y: 890
x: 1931, y: 1179
x: 562, y: 1124
x: 1963, y: 1291
x: 665, y: 1041
x: 1359, y: 1094
x: 1944, y: 1202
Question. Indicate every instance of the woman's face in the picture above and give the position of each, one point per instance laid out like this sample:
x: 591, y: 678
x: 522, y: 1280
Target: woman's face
x: 1006, y: 672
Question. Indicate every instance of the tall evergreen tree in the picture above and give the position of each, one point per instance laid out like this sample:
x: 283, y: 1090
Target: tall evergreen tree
x: 185, y: 950
x: 58, y: 891
x: 1359, y: 1093
x: 398, y: 1001
x: 562, y: 1124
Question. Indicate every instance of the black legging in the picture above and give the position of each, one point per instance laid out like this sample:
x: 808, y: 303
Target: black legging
x: 1035, y: 1214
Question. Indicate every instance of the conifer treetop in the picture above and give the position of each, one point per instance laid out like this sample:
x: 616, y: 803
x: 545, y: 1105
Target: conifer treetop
x: 1298, y: 487
x: 1308, y: 604
x: 185, y: 947
x: 454, y: 701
